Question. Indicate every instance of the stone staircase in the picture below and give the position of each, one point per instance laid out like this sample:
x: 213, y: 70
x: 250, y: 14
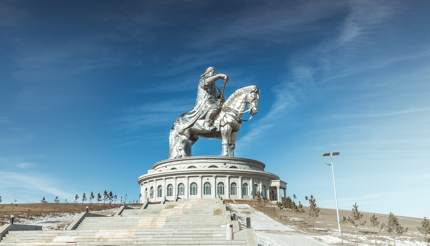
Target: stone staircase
x: 188, y: 222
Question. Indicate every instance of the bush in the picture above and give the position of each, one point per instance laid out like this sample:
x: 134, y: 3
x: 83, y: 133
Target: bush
x: 425, y: 230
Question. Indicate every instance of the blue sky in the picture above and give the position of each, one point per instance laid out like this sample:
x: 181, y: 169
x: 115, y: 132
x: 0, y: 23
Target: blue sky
x: 88, y: 92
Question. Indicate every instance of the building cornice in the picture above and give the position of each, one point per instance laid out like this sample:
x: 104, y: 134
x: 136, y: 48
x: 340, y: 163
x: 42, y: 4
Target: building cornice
x: 208, y: 159
x: 207, y: 171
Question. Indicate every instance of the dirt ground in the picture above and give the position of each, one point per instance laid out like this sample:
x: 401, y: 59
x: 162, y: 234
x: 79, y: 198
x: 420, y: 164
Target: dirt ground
x: 32, y: 210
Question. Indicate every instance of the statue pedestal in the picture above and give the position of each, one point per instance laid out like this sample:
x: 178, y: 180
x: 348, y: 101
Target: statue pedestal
x: 200, y: 177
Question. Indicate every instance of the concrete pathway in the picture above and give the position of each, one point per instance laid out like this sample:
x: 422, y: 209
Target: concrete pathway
x: 271, y: 232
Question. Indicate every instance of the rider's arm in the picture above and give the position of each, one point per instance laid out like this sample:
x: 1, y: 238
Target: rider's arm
x: 212, y: 79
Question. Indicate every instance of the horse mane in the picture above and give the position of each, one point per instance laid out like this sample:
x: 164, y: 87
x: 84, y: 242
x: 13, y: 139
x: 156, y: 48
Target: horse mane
x: 239, y: 92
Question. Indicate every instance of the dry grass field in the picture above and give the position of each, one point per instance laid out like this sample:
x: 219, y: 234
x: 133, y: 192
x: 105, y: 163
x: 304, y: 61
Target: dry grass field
x: 326, y: 223
x: 33, y: 210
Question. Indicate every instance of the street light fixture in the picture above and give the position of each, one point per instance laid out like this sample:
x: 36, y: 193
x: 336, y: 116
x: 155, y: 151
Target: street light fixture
x: 331, y: 164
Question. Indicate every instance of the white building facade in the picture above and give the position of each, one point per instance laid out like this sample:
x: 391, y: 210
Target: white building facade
x: 210, y: 177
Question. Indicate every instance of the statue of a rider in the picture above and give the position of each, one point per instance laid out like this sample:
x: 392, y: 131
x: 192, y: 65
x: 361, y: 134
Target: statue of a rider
x: 209, y: 101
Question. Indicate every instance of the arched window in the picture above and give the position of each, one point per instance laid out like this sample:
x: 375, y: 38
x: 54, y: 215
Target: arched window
x: 181, y: 189
x: 220, y: 189
x: 233, y: 167
x: 146, y: 193
x: 233, y: 189
x: 191, y: 167
x: 193, y: 189
x: 159, y: 191
x: 207, y: 188
x: 213, y: 166
x: 151, y: 192
x: 170, y: 190
x: 245, y: 189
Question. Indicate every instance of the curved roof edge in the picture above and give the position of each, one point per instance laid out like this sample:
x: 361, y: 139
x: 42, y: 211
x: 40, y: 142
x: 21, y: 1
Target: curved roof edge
x: 232, y: 158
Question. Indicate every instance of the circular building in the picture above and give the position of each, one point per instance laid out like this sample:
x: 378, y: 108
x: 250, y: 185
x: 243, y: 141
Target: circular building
x: 202, y: 177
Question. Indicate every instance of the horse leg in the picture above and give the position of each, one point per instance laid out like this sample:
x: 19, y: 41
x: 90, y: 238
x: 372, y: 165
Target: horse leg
x: 232, y: 142
x: 188, y: 142
x: 225, y: 135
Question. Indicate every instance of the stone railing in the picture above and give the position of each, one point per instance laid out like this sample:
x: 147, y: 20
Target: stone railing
x: 5, y: 229
x: 80, y: 217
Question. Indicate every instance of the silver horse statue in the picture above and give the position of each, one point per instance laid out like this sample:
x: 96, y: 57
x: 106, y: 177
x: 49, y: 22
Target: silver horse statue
x: 226, y: 124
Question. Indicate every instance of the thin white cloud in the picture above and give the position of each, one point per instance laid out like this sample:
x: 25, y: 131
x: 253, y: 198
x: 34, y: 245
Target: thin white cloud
x: 287, y: 95
x: 364, y: 15
x: 362, y: 18
x: 395, y: 60
x: 270, y: 22
x: 29, y: 183
x: 25, y: 165
x: 154, y: 114
x: 381, y: 114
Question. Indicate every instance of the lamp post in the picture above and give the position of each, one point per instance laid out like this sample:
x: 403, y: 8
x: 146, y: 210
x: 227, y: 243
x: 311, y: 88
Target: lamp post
x: 331, y: 164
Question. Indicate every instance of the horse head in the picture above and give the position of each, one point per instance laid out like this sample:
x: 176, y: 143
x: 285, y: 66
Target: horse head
x: 245, y: 99
x: 253, y: 99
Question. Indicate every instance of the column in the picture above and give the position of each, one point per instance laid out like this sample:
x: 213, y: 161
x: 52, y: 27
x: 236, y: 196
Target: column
x: 260, y: 188
x: 278, y: 193
x: 239, y: 188
x: 252, y: 188
x: 227, y: 188
x: 142, y: 193
x: 175, y: 189
x: 164, y: 190
x: 213, y: 188
x: 201, y: 186
x: 187, y: 188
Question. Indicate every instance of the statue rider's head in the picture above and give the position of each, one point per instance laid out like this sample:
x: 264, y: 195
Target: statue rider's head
x: 210, y: 71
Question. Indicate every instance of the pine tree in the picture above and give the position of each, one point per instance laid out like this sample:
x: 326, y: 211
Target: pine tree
x: 0, y: 199
x: 57, y: 200
x: 99, y: 197
x: 110, y: 196
x: 76, y: 198
x: 288, y: 203
x: 84, y: 197
x: 91, y: 197
x: 393, y: 227
x: 356, y: 218
x: 300, y: 207
x: 374, y: 222
x: 313, y: 211
x: 105, y: 196
x: 425, y: 230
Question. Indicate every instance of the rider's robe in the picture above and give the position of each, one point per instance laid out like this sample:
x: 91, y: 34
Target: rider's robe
x: 207, y: 98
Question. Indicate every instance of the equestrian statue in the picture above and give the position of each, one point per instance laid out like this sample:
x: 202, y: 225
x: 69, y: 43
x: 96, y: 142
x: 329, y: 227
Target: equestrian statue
x: 212, y: 116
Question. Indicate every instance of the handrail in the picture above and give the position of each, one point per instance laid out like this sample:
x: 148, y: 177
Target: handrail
x: 121, y: 209
x: 77, y: 221
x: 4, y: 230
